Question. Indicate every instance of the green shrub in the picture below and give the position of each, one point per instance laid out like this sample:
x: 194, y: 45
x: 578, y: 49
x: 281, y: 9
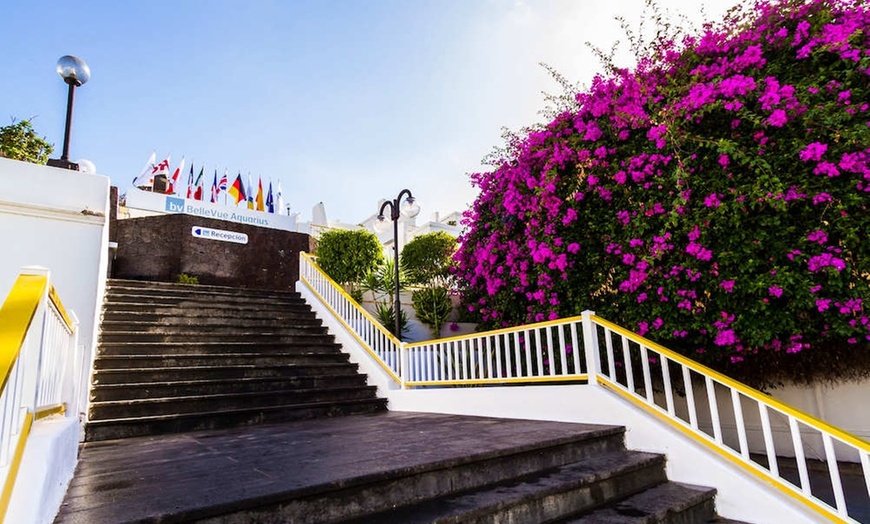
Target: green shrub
x: 348, y: 255
x: 428, y: 258
x: 184, y: 278
x: 432, y: 305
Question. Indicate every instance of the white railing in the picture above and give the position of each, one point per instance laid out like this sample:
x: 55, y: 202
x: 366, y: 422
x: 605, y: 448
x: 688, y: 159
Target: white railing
x: 38, y: 352
x: 717, y: 411
x: 703, y: 404
x: 375, y: 338
x: 543, y: 352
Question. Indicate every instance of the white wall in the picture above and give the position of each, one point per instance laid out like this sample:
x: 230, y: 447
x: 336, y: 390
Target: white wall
x: 57, y: 219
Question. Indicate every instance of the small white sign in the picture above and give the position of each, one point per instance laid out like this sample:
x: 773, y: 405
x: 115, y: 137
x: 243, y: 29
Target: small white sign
x: 219, y: 234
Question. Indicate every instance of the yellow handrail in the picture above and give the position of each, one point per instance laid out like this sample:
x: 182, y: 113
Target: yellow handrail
x: 15, y: 318
x: 750, y: 392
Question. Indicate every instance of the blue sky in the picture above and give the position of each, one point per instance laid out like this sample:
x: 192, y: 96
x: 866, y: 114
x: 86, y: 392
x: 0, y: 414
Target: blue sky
x: 345, y: 101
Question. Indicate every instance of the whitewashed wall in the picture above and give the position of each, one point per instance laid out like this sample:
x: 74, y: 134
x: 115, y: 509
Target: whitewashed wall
x: 57, y: 219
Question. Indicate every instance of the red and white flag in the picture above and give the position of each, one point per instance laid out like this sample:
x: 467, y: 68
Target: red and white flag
x: 172, y: 187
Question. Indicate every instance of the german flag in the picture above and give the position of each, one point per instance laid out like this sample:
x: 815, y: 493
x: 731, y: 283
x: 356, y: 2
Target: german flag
x: 237, y: 190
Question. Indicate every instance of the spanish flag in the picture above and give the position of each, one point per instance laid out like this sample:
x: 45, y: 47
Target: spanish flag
x: 259, y: 200
x: 237, y: 190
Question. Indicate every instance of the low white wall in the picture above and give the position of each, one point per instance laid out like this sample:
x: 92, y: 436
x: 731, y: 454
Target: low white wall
x: 741, y: 495
x: 57, y: 219
x: 46, y: 470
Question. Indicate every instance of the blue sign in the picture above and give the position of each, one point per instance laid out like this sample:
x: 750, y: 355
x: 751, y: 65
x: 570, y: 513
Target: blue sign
x: 174, y: 205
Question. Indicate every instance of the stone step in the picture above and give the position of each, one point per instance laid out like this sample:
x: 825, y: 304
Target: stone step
x: 668, y: 503
x: 190, y: 318
x: 542, y: 497
x: 143, y: 286
x: 132, y: 391
x: 191, y: 405
x: 230, y: 359
x: 261, y: 336
x: 177, y: 374
x: 125, y: 428
x: 200, y: 300
x: 214, y: 306
x: 214, y: 347
x: 173, y: 326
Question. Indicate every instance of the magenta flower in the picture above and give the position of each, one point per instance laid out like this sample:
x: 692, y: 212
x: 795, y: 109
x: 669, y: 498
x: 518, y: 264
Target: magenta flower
x: 777, y: 118
x: 818, y: 236
x: 774, y: 291
x: 813, y: 152
x: 712, y: 200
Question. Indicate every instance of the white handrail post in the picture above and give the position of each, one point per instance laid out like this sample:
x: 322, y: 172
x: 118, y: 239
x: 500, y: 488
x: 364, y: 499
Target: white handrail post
x: 31, y: 356
x: 403, y: 365
x: 590, y: 346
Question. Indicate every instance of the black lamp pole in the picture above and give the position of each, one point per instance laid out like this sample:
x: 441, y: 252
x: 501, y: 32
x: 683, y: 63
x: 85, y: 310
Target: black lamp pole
x: 64, y: 157
x: 75, y: 72
x: 411, y: 212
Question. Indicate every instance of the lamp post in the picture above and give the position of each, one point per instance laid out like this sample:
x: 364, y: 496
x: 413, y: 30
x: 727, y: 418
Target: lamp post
x: 409, y: 208
x: 75, y: 72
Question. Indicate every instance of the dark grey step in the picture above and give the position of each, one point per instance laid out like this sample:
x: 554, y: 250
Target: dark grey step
x: 669, y: 503
x: 194, y: 327
x: 298, y: 337
x: 225, y: 360
x: 142, y: 285
x: 213, y: 306
x: 200, y: 300
x: 137, y: 375
x: 125, y: 428
x: 220, y: 401
x: 216, y: 347
x: 131, y: 391
x: 182, y: 317
x: 541, y: 494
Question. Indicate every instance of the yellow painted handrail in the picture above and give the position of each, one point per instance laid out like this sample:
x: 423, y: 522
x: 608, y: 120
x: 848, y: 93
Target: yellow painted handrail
x: 15, y: 318
x: 345, y: 294
x: 750, y: 392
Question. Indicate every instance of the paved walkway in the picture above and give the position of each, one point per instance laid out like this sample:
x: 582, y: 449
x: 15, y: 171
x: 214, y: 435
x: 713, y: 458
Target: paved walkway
x: 175, y: 478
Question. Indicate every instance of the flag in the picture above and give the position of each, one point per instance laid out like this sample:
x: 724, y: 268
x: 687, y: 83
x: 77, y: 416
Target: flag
x: 214, y: 188
x: 270, y: 202
x: 190, y: 182
x: 144, y: 178
x: 279, y: 199
x: 260, y: 205
x: 172, y: 186
x: 250, y: 193
x: 160, y: 169
x: 197, y: 193
x: 237, y: 190
x: 224, y: 182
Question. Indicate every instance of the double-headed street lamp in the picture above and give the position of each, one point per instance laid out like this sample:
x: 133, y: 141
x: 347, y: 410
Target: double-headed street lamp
x: 75, y: 72
x: 409, y: 208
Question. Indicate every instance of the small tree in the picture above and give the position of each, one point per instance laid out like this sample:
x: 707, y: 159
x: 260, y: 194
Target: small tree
x: 348, y: 255
x: 19, y: 141
x: 427, y: 259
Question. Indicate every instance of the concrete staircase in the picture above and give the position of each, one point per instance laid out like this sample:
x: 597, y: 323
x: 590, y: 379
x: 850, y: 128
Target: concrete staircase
x: 175, y: 358
x: 261, y: 384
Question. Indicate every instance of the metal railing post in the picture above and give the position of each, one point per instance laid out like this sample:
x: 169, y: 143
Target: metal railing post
x: 590, y: 346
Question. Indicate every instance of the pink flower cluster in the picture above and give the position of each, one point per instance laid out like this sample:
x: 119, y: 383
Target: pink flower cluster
x: 727, y: 172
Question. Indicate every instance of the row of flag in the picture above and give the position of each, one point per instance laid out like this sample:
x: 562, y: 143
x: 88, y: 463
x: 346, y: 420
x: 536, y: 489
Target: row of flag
x: 254, y: 196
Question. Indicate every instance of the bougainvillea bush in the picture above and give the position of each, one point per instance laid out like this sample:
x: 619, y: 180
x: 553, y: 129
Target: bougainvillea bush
x: 713, y: 198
